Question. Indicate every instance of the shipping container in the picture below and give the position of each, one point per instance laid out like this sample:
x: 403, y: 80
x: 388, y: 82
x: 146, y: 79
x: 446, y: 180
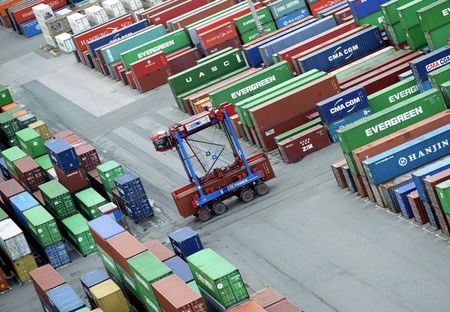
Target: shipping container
x: 333, y: 127
x: 185, y: 242
x: 64, y: 298
x: 291, y: 18
x: 12, y: 240
x: 393, y: 94
x: 249, y: 306
x: 422, y: 66
x: 29, y: 173
x: 438, y: 38
x: 443, y: 191
x: 439, y: 76
x: 159, y: 250
x: 180, y: 268
x: 246, y: 23
x: 30, y: 29
x: 417, y: 207
x: 218, y: 277
x: 23, y: 266
x: 266, y: 297
x: 109, y: 297
x: 339, y: 173
x: 91, y: 279
x: 8, y: 189
x: 430, y: 169
x: 89, y: 201
x: 77, y: 229
x: 62, y: 155
x: 42, y: 225
x: 57, y: 254
x: 45, y: 278
x: 74, y: 180
x: 5, y: 96
x: 401, y: 193
x: 108, y: 171
x: 433, y: 15
x: 21, y: 203
x: 389, y: 10
x: 408, y: 12
x: 283, y: 306
x: 297, y: 130
x: 163, y: 16
x: 435, y: 204
x: 318, y: 5
x: 362, y: 9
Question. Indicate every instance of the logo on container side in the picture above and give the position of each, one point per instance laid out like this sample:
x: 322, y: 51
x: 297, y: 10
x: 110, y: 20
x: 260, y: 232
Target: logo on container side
x: 349, y: 105
x: 340, y: 52
x: 404, y: 93
x: 426, y: 151
x: 394, y: 121
x: 253, y: 87
x: 438, y: 63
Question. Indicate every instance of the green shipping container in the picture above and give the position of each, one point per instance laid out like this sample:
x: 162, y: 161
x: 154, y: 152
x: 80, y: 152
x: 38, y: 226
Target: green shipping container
x: 375, y: 19
x: 42, y: 225
x: 128, y: 281
x: 393, y: 94
x: 251, y: 35
x: 168, y: 43
x: 218, y: 277
x: 389, y: 10
x: 435, y: 15
x: 109, y: 264
x: 89, y: 201
x: 408, y: 12
x: 9, y: 127
x: 44, y: 162
x: 388, y: 121
x: 147, y: 269
x: 253, y: 84
x: 207, y: 71
x: 5, y: 96
x: 193, y: 285
x: 438, y: 38
x: 445, y: 88
x: 281, y: 8
x: 31, y: 142
x: 58, y: 199
x: 78, y: 231
x: 443, y: 191
x: 11, y: 155
x: 415, y: 38
x: 297, y: 130
x: 3, y: 215
x: 108, y: 171
x: 439, y: 76
x: 396, y: 33
x: 247, y: 23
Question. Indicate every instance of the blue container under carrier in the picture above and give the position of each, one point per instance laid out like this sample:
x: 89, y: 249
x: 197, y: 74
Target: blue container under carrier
x: 292, y: 17
x: 4, y: 169
x: 57, y: 254
x: 251, y: 52
x: 130, y: 187
x: 344, y: 51
x: 105, y: 227
x: 342, y: 105
x: 20, y: 203
x: 30, y: 28
x: 64, y: 299
x: 267, y: 50
x: 62, y: 155
x: 91, y: 279
x: 180, y: 268
x: 423, y: 173
x: 363, y: 8
x: 401, y: 193
x: 347, y: 120
x: 139, y: 209
x: 423, y: 65
x: 185, y: 242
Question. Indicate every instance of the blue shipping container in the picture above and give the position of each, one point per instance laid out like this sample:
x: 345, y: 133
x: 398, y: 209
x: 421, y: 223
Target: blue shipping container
x: 347, y: 120
x: 185, y: 242
x: 62, y: 155
x: 139, y: 209
x: 408, y: 156
x: 363, y: 8
x: 30, y: 28
x: 22, y: 202
x: 105, y: 227
x: 64, y: 299
x: 291, y: 18
x: 57, y: 254
x: 91, y: 279
x: 390, y: 197
x: 432, y: 218
x: 130, y: 187
x: 251, y: 52
x: 267, y: 50
x: 401, y: 193
x: 117, y: 35
x: 180, y: 268
x: 421, y: 174
x: 342, y: 104
x: 344, y: 51
x: 4, y: 169
x: 423, y: 65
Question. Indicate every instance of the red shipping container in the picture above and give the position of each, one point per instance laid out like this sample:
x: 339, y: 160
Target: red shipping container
x: 300, y: 145
x: 339, y: 174
x: 153, y: 80
x: 158, y: 8
x: 283, y: 306
x: 314, y: 41
x: 149, y: 65
x: 173, y: 295
x: 3, y: 14
x: 63, y: 134
x: 130, y: 79
x: 174, y: 11
x: 80, y: 40
x: 8, y: 189
x: 360, y: 187
x: 367, y: 187
x: 122, y: 247
x: 159, y: 250
x: 185, y: 59
x: 417, y: 207
x: 435, y: 202
x: 232, y: 43
x: 217, y: 35
x: 266, y: 297
x: 25, y: 14
x: 74, y: 181
x: 318, y: 6
x: 88, y: 157
x: 342, y: 15
x: 117, y: 67
x: 216, y: 7
x: 123, y: 76
x: 29, y: 173
x: 45, y: 278
x: 249, y: 306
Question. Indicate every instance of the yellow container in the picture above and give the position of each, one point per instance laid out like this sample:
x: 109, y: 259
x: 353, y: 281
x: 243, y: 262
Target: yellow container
x: 41, y: 128
x: 23, y: 266
x: 109, y: 297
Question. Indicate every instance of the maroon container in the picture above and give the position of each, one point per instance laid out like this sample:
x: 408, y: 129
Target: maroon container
x: 8, y: 189
x: 249, y: 306
x: 149, y: 65
x: 88, y: 157
x: 153, y: 80
x: 339, y: 174
x: 232, y: 43
x: 74, y: 181
x: 266, y: 297
x: 182, y: 61
x: 45, y: 278
x: 430, y: 186
x: 300, y: 145
x: 130, y: 79
x: 62, y: 134
x: 103, y: 68
x: 218, y: 35
x: 417, y: 207
x: 123, y: 76
x: 117, y: 67
x: 176, y: 10
x: 29, y: 173
x: 343, y: 15
x: 289, y: 110
x: 283, y: 306
x: 122, y: 247
x: 367, y: 187
x: 360, y: 187
x: 159, y: 250
x: 173, y: 295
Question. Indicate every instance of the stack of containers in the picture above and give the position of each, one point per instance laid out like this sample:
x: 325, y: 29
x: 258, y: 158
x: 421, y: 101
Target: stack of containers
x: 133, y: 194
x: 89, y: 201
x: 424, y: 65
x: 315, y: 6
x: 58, y: 199
x: 392, y: 23
x: 78, y: 23
x: 159, y: 250
x: 64, y: 298
x: 91, y: 279
x: 367, y: 12
x: 114, y: 8
x: 66, y: 165
x: 108, y: 171
x: 11, y: 155
x: 76, y: 227
x: 96, y: 15
x: 44, y: 12
x: 286, y: 12
x: 246, y: 25
x: 434, y: 20
x: 64, y: 42
x: 44, y: 279
x: 185, y: 242
x: 8, y: 128
x: 15, y: 251
x: 31, y: 142
x: 30, y: 174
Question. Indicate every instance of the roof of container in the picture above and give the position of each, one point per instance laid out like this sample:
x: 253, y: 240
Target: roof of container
x: 104, y: 289
x: 175, y: 291
x: 23, y: 201
x: 443, y: 185
x: 180, y: 268
x: 126, y: 245
x: 93, y: 278
x: 159, y: 250
x: 90, y: 197
x: 266, y: 297
x: 107, y: 166
x: 8, y: 229
x: 37, y: 215
x: 11, y: 187
x: 405, y: 188
x: 211, y: 263
x: 125, y: 178
x: 53, y: 188
x: 249, y: 306
x: 105, y: 227
x: 27, y: 134
x: 47, y: 277
x: 65, y: 298
x: 57, y: 145
x: 76, y: 223
x: 13, y: 153
x: 432, y: 167
x: 182, y: 234
x: 148, y: 266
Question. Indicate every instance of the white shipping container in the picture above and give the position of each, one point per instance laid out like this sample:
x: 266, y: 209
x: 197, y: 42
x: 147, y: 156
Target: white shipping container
x: 12, y: 240
x: 43, y: 12
x: 114, y: 8
x: 78, y: 22
x: 65, y: 42
x: 96, y: 14
x: 132, y: 5
x: 63, y: 12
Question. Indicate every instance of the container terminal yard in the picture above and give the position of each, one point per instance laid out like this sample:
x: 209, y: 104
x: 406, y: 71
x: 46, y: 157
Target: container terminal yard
x: 327, y: 237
